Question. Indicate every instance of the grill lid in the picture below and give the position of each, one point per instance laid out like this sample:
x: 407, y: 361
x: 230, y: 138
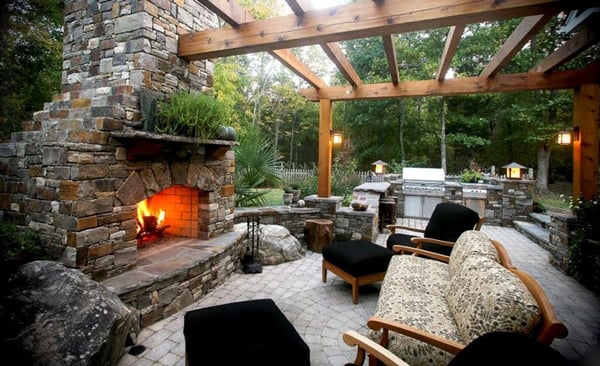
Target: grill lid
x: 423, y: 174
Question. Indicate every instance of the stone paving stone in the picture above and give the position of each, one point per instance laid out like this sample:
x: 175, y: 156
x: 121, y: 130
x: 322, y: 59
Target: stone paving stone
x: 322, y: 312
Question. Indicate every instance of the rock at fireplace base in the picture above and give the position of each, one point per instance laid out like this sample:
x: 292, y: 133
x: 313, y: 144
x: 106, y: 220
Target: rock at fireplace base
x: 277, y: 245
x: 53, y: 315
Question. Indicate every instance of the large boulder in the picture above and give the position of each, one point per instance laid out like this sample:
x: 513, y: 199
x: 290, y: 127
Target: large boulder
x: 53, y: 315
x: 277, y: 245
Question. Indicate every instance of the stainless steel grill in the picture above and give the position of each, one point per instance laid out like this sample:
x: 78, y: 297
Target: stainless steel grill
x: 423, y: 181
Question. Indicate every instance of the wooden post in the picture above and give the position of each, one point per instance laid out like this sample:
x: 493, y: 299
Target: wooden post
x: 325, y: 125
x: 586, y: 105
x: 318, y: 233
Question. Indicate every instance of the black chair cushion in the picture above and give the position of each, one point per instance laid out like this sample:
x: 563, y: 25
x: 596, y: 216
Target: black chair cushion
x: 503, y: 348
x: 449, y: 220
x: 251, y: 332
x: 358, y: 257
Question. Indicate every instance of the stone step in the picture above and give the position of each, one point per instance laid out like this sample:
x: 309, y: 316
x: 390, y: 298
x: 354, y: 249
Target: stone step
x: 540, y: 219
x: 536, y: 233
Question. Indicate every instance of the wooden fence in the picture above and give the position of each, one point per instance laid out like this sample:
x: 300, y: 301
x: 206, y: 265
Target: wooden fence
x: 298, y: 175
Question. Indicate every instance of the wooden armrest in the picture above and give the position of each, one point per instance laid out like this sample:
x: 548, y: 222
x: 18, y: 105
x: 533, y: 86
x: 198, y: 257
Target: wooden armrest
x: 418, y: 241
x: 393, y: 228
x: 374, y: 349
x: 421, y: 252
x: 447, y: 345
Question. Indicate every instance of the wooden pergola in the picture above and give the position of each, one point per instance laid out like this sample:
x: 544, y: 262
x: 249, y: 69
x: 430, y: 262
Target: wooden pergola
x: 384, y: 18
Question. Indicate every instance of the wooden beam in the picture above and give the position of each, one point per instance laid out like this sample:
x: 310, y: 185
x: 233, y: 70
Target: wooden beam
x: 325, y: 148
x: 332, y: 50
x: 357, y: 20
x: 573, y: 47
x: 521, y: 35
x: 235, y: 15
x: 469, y: 85
x: 586, y: 105
x: 390, y: 54
x: 452, y: 41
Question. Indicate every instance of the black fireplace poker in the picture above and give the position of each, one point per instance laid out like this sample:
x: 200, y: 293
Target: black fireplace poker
x: 251, y: 262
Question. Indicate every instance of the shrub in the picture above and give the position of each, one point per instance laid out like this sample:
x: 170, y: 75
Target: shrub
x: 190, y: 114
x: 18, y: 246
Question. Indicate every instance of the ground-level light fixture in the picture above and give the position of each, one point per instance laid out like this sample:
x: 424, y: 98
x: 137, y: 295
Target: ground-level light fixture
x: 514, y: 170
x: 379, y: 166
x: 568, y: 136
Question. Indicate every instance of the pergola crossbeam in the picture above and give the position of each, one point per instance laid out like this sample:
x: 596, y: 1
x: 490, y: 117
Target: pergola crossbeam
x: 452, y: 41
x: 390, y: 54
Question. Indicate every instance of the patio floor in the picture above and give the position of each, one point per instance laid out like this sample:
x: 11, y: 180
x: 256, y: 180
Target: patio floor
x: 322, y: 312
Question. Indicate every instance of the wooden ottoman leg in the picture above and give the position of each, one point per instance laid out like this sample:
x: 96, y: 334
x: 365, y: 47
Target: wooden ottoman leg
x: 355, y: 286
x: 324, y: 270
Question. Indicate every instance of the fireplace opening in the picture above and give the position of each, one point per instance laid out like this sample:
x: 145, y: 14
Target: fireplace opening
x: 173, y: 212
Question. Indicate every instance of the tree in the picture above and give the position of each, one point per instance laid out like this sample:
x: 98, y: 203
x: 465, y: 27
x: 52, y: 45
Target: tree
x: 30, y: 59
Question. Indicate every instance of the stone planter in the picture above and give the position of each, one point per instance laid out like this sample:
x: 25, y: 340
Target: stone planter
x: 287, y: 199
x: 296, y: 195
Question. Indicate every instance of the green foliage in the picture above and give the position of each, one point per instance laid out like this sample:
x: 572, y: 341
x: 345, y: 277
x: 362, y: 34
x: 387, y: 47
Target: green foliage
x: 471, y: 176
x: 18, y: 246
x: 582, y: 253
x: 30, y: 59
x: 256, y: 163
x: 191, y: 114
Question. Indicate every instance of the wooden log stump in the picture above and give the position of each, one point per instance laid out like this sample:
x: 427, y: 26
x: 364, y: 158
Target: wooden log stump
x: 318, y: 233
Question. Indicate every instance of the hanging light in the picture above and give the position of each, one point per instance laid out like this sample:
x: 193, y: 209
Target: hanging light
x: 337, y: 138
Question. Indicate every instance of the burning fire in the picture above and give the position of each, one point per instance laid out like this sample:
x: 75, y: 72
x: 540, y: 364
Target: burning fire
x: 149, y: 222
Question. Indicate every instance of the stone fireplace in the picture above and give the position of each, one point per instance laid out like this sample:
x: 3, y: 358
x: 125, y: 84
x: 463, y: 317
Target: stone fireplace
x: 78, y: 171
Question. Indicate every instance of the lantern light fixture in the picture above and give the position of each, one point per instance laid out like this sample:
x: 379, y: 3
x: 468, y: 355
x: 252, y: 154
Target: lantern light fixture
x: 337, y: 138
x: 568, y: 136
x: 379, y: 166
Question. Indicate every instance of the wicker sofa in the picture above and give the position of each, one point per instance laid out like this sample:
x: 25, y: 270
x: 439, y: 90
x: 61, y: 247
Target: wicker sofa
x: 428, y: 310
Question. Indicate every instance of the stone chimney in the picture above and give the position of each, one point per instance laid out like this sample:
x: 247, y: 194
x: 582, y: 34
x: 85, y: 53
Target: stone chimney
x: 79, y: 168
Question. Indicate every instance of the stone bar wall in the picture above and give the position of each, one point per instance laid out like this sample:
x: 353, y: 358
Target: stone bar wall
x: 69, y: 175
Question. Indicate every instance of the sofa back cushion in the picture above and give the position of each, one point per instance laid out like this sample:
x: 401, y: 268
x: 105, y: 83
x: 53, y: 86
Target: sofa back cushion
x: 471, y: 242
x: 486, y: 297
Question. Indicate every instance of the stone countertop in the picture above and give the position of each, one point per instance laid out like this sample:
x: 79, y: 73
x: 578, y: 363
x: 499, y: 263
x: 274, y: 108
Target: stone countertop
x: 379, y: 187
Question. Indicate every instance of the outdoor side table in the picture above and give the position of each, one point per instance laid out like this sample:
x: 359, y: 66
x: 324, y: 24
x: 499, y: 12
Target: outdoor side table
x: 318, y: 233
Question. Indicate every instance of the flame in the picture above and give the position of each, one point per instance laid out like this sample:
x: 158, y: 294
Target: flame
x: 143, y: 209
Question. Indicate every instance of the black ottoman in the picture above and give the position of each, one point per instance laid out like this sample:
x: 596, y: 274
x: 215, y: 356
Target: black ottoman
x: 358, y: 262
x: 250, y: 333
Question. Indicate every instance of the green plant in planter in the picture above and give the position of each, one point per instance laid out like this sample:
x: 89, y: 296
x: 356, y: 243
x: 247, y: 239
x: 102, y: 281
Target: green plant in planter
x: 470, y: 176
x: 191, y: 114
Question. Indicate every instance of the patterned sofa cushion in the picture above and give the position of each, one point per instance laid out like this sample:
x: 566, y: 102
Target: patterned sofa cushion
x: 484, y: 297
x: 471, y: 242
x: 413, y: 292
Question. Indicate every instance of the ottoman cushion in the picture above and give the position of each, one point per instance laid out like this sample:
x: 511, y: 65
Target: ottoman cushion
x: 358, y: 257
x: 251, y: 332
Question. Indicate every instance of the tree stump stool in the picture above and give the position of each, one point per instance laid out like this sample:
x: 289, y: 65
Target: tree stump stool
x: 318, y: 233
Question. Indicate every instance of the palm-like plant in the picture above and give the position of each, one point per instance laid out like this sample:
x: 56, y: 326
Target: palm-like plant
x: 256, y: 163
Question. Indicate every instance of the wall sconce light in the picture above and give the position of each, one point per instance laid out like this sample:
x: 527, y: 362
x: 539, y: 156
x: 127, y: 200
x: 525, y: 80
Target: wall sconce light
x: 337, y: 138
x: 379, y: 166
x: 568, y: 136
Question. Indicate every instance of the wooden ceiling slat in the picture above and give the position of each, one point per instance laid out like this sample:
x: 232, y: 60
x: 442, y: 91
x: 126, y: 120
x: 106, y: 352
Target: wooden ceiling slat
x: 584, y: 39
x: 235, y: 15
x: 521, y: 35
x: 356, y: 20
x: 390, y: 54
x: 332, y: 50
x: 460, y: 86
x: 452, y: 42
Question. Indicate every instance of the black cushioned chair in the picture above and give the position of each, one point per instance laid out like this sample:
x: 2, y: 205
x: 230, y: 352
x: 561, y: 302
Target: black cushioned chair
x: 358, y: 262
x: 249, y: 333
x: 491, y: 349
x: 448, y: 220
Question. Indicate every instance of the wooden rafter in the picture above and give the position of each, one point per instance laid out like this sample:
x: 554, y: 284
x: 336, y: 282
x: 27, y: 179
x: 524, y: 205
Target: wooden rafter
x: 235, y: 15
x: 584, y: 39
x: 356, y: 20
x: 521, y: 35
x: 332, y: 50
x: 390, y: 54
x: 468, y: 85
x: 452, y: 41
